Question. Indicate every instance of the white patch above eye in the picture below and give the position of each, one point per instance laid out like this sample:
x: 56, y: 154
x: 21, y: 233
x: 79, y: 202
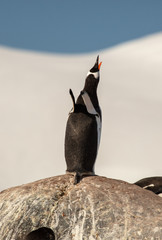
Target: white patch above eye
x: 160, y: 194
x: 151, y: 185
x: 95, y: 74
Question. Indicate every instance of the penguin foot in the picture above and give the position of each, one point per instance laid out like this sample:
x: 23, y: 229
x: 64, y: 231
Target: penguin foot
x: 77, y: 178
x: 79, y: 175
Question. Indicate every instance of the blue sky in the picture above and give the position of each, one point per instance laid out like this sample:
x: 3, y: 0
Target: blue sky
x: 76, y: 26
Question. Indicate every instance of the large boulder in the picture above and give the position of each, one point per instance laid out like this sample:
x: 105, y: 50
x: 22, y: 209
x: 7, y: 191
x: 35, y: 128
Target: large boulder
x: 97, y: 208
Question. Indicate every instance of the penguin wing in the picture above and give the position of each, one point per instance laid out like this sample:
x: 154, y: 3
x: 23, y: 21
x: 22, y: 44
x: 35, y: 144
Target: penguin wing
x: 88, y: 103
x: 90, y: 109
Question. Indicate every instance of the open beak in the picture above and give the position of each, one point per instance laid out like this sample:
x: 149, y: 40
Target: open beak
x: 97, y: 63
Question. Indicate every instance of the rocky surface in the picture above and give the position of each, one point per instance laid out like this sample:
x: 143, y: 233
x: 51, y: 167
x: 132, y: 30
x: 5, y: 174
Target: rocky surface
x: 97, y: 208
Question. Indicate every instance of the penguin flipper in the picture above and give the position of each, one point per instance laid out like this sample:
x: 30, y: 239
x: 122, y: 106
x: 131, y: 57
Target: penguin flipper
x: 88, y: 103
x: 73, y: 99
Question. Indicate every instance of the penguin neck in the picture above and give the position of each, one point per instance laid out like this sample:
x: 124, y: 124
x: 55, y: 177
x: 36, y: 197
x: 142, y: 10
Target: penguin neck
x: 91, y: 83
x: 92, y: 92
x: 90, y: 86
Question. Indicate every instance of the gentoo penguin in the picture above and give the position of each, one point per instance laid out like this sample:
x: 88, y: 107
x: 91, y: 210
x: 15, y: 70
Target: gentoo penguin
x: 153, y: 184
x: 83, y: 128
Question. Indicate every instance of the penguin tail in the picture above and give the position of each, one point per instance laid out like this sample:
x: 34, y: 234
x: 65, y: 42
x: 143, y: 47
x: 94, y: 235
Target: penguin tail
x: 73, y: 99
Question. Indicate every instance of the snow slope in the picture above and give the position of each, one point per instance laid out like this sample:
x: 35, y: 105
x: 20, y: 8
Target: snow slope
x: 34, y: 106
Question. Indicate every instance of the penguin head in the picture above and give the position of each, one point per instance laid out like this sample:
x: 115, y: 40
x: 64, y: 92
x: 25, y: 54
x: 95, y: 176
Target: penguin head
x: 93, y: 76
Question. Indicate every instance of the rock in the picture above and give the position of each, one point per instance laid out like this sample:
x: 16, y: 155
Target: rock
x: 97, y: 208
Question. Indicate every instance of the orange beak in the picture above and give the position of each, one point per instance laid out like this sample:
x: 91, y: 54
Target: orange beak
x: 99, y: 65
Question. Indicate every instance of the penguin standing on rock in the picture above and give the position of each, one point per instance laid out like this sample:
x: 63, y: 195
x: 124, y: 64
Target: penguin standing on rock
x: 83, y: 128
